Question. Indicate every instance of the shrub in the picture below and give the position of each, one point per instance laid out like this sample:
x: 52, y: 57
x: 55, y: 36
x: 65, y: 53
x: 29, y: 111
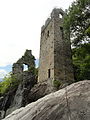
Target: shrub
x: 10, y: 81
x: 56, y: 83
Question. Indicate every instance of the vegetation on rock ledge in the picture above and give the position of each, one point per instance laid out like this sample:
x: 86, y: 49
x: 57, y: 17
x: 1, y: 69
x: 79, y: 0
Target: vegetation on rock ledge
x: 10, y: 81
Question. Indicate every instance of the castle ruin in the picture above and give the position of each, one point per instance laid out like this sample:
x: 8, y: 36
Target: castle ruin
x: 55, y: 51
x: 27, y: 59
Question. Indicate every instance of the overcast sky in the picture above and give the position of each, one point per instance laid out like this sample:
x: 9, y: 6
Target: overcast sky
x: 20, y: 25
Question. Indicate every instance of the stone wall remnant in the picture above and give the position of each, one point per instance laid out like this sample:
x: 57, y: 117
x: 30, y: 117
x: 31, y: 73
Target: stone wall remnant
x: 27, y: 59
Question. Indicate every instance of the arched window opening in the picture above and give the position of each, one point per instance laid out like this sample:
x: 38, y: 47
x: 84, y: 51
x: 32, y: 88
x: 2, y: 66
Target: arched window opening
x: 60, y: 15
x: 25, y: 67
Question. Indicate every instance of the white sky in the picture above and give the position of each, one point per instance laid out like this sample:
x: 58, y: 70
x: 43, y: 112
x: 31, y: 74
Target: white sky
x: 20, y: 25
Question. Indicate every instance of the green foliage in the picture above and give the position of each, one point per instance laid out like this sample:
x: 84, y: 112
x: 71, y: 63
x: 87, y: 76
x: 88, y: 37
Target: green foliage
x: 81, y: 62
x: 88, y: 32
x: 8, y: 82
x: 77, y: 22
x: 32, y: 70
x: 56, y: 83
x: 77, y: 29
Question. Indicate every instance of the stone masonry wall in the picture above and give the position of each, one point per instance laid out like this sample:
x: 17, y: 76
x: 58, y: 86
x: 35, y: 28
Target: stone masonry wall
x: 55, y: 51
x: 47, y: 52
x: 27, y: 59
x: 62, y: 51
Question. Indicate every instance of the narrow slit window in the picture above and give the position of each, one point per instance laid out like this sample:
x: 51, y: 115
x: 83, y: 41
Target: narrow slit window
x: 48, y: 33
x: 49, y: 73
x: 61, y: 29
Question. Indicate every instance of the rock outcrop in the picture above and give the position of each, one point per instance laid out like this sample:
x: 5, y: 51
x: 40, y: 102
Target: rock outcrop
x: 17, y: 96
x: 20, y: 98
x: 69, y: 103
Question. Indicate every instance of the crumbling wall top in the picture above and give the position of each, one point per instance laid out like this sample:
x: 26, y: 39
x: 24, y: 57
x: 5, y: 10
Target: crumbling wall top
x: 46, y: 24
x: 56, y: 11
x: 28, y: 59
x: 54, y: 14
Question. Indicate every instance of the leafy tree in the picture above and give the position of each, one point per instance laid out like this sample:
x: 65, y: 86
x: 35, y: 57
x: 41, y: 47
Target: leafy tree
x: 77, y: 28
x: 77, y: 22
x: 81, y: 62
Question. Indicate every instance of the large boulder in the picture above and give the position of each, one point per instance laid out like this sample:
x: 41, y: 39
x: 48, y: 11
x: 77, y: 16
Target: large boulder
x: 69, y: 103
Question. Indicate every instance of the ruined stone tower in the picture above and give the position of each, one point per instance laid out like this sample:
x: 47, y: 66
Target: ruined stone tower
x: 55, y: 51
